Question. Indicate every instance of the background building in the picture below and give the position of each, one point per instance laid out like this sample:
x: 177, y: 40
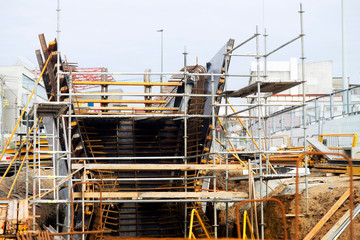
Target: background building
x: 17, y: 83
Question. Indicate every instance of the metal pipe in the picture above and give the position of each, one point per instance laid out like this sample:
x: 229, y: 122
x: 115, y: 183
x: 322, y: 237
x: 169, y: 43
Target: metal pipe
x: 58, y: 53
x: 144, y: 179
x: 148, y: 200
x: 345, y: 84
x: 127, y: 158
x: 162, y: 54
x: 244, y: 110
x: 27, y: 160
x: 265, y: 99
x: 258, y: 81
x: 185, y: 101
x: 70, y: 186
x: 154, y: 73
x: 152, y: 115
x: 250, y: 104
x: 213, y: 147
x: 304, y: 104
x: 246, y: 55
x: 57, y: 169
x: 226, y: 160
x: 282, y: 46
x: 135, y: 94
x: 34, y: 160
x: 244, y: 42
x: 78, y: 233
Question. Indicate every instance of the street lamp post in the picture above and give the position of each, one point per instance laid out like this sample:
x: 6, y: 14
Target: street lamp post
x: 345, y: 83
x: 162, y: 54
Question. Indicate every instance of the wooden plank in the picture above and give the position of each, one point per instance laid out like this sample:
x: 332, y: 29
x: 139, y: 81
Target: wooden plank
x: 159, y: 167
x: 327, y: 216
x: 50, y: 65
x: 336, y: 225
x: 119, y: 101
x: 137, y: 195
x: 332, y: 171
x: 45, y: 76
x: 127, y: 83
x: 270, y: 87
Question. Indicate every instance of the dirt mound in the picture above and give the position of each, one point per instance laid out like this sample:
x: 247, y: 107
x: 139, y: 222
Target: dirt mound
x: 321, y: 199
x: 46, y: 211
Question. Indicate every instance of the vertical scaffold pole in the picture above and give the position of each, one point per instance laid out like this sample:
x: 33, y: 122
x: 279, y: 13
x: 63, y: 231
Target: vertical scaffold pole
x: 34, y: 146
x: 345, y: 84
x: 258, y: 81
x: 227, y: 56
x: 213, y: 147
x: 56, y: 148
x: 185, y: 133
x: 69, y: 152
x: 303, y: 81
x: 265, y: 107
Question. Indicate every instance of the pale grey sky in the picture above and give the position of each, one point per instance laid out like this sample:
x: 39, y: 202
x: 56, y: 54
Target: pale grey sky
x: 121, y: 35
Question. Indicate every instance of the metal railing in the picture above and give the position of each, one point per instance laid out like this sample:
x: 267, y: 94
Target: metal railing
x: 322, y: 108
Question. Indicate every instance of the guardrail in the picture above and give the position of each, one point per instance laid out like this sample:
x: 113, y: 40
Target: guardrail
x: 321, y: 108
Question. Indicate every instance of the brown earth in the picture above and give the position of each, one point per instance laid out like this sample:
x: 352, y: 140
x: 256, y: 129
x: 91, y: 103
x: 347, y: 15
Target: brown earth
x: 321, y: 198
x: 46, y: 211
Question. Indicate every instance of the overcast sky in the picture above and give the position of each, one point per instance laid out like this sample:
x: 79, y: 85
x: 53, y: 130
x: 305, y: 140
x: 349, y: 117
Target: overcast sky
x: 122, y: 36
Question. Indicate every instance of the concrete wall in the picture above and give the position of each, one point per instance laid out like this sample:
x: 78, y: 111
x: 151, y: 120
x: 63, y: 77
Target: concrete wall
x: 318, y: 75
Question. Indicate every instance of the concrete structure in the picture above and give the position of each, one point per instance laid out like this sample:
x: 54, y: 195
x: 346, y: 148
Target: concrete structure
x: 318, y: 76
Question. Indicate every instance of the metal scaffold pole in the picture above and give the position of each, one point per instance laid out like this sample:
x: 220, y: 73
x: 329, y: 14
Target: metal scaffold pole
x: 303, y: 82
x: 258, y: 81
x: 185, y: 135
x: 226, y: 146
x: 213, y: 147
x: 69, y: 152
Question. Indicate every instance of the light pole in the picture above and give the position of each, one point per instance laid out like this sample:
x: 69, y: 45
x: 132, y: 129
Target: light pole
x: 345, y: 83
x: 162, y: 54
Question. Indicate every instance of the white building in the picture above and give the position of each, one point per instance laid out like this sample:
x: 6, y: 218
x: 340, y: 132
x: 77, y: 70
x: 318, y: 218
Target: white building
x: 17, y: 84
x: 318, y: 76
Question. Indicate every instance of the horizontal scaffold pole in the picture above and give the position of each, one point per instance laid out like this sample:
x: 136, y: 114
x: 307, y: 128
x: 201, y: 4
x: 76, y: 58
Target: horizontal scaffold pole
x: 119, y: 101
x: 183, y: 167
x: 135, y: 195
x: 128, y: 83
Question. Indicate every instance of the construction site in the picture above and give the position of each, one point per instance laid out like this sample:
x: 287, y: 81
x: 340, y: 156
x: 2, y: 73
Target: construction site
x: 182, y: 154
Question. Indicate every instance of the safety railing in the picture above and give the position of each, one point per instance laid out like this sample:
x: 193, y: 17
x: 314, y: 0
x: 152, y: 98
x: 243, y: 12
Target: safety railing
x: 318, y: 109
x: 352, y: 137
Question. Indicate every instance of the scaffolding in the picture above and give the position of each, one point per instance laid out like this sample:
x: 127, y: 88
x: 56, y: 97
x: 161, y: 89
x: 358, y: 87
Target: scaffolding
x: 116, y: 162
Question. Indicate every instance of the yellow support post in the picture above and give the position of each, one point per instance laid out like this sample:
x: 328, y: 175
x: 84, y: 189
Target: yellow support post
x: 249, y: 134
x: 246, y: 219
x: 355, y: 140
x: 191, y: 234
x: 21, y: 166
x: 21, y: 116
